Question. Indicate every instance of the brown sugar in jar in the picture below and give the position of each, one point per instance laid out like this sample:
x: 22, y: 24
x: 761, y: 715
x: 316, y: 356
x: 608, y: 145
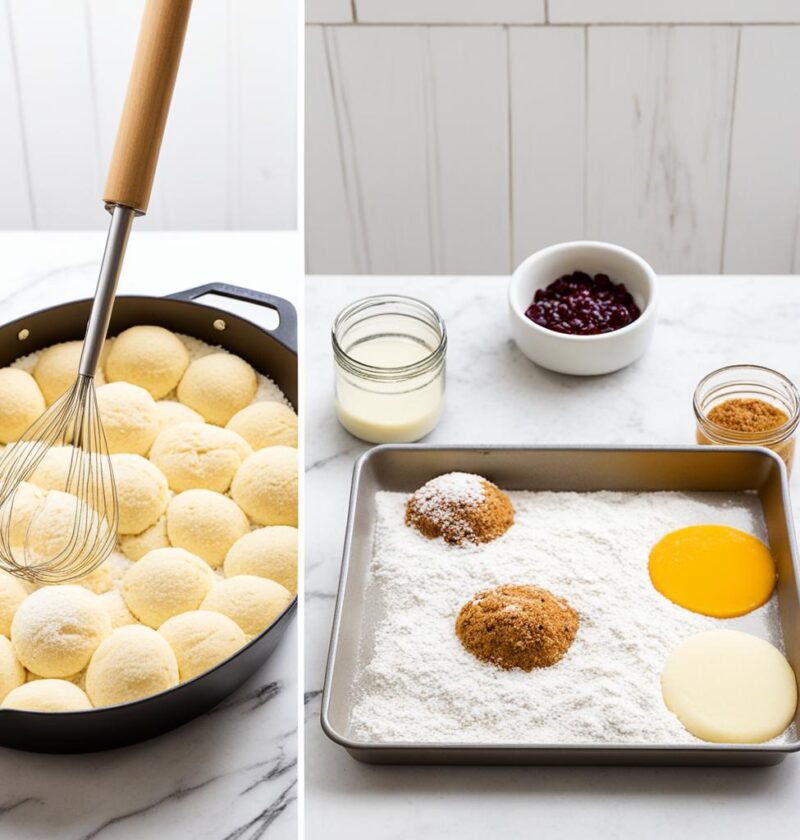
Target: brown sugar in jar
x: 748, y: 405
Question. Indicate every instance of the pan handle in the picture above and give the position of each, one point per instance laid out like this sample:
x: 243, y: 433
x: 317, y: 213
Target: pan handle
x: 285, y: 332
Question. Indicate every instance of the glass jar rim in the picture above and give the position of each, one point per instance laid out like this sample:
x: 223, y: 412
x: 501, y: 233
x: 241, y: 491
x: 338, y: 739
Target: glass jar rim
x: 358, y: 368
x: 774, y: 435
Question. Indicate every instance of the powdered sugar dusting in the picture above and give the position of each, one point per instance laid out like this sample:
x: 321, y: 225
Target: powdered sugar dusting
x: 443, y: 499
x: 417, y: 683
x: 437, y: 497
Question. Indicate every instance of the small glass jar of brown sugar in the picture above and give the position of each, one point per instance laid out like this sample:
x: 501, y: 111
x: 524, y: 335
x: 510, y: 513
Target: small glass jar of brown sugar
x: 748, y: 405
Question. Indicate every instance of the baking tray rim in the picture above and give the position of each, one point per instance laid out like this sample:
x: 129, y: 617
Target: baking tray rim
x: 432, y: 747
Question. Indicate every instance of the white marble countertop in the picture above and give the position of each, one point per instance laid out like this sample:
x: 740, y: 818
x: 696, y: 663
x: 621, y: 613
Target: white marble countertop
x: 231, y: 773
x: 494, y: 395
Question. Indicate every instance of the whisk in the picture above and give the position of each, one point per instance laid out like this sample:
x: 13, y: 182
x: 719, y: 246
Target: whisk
x: 74, y: 419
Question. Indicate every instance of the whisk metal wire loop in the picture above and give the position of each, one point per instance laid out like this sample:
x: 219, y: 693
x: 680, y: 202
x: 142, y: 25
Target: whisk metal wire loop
x: 73, y: 420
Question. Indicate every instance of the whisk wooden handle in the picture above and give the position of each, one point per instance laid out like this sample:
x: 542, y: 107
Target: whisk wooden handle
x: 144, y: 115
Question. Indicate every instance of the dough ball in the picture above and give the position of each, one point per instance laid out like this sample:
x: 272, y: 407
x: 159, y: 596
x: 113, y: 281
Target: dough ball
x: 151, y: 357
x: 268, y: 553
x: 136, y: 546
x: 51, y: 530
x: 47, y: 695
x: 129, y: 417
x: 170, y: 413
x: 218, y: 385
x: 266, y: 423
x: 265, y: 487
x: 12, y: 673
x: 166, y: 582
x: 252, y: 602
x: 194, y: 456
x: 27, y: 501
x: 12, y: 594
x: 21, y: 402
x: 57, y: 369
x: 205, y: 523
x: 201, y: 639
x: 54, y: 469
x: 132, y: 663
x: 142, y: 492
x: 726, y: 686
x: 57, y: 629
x: 117, y: 609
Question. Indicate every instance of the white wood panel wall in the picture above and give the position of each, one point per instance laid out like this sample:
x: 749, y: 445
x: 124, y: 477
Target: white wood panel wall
x: 657, y: 138
x: 461, y: 149
x: 230, y: 149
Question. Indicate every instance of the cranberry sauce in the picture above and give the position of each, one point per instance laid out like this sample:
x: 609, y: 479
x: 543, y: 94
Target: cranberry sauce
x: 578, y: 304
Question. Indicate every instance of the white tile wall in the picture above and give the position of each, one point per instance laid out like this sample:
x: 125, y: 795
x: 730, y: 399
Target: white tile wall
x: 468, y: 164
x: 263, y: 102
x: 548, y: 136
x: 392, y: 139
x: 333, y: 221
x: 660, y: 101
x: 680, y: 141
x: 17, y: 208
x: 762, y: 213
x: 450, y: 11
x: 329, y: 11
x: 674, y: 11
x: 382, y: 112
x: 230, y: 148
x: 60, y: 124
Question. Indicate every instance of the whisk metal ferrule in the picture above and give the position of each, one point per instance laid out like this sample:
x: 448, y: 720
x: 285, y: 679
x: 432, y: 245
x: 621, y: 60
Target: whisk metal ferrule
x: 118, y: 231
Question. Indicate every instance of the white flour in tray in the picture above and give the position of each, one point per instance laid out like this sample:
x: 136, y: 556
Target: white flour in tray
x: 417, y: 683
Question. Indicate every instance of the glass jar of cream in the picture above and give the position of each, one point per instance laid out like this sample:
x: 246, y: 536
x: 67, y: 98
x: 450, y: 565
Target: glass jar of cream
x: 389, y: 354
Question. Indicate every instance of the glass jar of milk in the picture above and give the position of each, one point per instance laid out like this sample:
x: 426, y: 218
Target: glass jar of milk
x: 390, y: 354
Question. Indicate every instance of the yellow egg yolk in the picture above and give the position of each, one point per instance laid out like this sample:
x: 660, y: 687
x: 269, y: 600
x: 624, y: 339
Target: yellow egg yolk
x: 713, y: 570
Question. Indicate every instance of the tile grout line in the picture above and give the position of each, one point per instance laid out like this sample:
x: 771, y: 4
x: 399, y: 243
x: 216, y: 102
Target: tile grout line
x: 358, y: 230
x: 584, y: 209
x: 432, y: 161
x: 510, y: 129
x: 21, y: 115
x: 729, y: 167
x: 707, y: 24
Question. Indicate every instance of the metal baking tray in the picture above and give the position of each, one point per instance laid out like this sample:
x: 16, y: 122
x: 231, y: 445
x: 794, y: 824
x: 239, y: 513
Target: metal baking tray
x: 586, y: 468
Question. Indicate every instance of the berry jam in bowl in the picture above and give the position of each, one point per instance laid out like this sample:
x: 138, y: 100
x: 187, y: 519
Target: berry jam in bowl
x: 583, y: 308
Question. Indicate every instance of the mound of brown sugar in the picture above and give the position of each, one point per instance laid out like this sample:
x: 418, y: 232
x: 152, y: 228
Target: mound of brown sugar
x: 460, y: 508
x: 747, y: 415
x: 517, y: 626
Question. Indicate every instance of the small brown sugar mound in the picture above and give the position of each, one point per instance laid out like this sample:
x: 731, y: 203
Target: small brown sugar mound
x: 460, y: 508
x: 747, y: 415
x: 517, y: 626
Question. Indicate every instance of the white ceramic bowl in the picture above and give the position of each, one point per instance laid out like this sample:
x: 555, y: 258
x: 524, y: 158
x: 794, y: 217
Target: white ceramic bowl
x: 583, y: 355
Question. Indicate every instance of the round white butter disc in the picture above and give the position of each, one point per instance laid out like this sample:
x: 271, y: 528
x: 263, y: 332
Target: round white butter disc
x: 730, y: 687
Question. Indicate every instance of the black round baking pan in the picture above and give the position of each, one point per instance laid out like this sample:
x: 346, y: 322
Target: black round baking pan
x: 272, y: 353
